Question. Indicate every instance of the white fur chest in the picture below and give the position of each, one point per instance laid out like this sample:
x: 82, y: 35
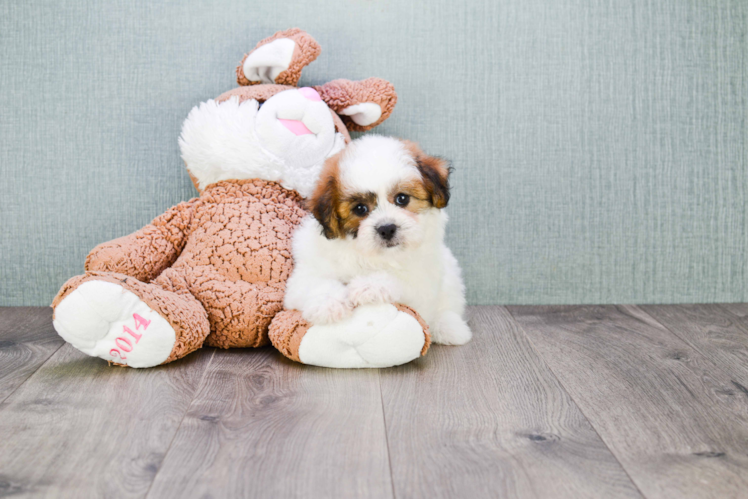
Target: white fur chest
x: 419, y: 271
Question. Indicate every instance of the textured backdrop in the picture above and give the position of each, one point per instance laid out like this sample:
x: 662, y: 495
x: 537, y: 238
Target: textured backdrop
x: 599, y: 146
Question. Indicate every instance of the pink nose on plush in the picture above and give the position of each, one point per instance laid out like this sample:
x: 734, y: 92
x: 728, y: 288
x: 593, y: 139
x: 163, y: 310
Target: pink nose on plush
x: 310, y: 93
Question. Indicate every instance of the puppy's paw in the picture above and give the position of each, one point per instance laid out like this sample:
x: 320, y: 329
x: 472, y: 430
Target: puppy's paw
x: 377, y: 288
x: 329, y: 311
x: 451, y: 329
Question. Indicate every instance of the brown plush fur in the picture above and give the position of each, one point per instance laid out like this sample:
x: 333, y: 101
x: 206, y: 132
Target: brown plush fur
x: 219, y: 261
x: 339, y: 94
x: 286, y: 332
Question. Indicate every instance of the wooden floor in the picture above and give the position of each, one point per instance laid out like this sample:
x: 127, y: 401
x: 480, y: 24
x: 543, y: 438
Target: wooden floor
x: 572, y: 401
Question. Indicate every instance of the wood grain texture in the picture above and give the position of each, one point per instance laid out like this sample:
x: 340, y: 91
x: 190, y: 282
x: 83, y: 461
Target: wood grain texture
x: 27, y: 340
x: 81, y: 428
x: 489, y: 419
x: 263, y: 426
x: 739, y: 313
x: 669, y: 414
x: 712, y: 330
x: 551, y: 401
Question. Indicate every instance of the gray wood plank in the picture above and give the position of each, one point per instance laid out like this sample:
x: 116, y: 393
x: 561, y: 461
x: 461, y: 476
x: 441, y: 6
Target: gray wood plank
x: 713, y: 331
x: 670, y: 415
x: 81, y: 428
x: 738, y: 312
x: 27, y: 340
x: 489, y: 419
x: 263, y: 426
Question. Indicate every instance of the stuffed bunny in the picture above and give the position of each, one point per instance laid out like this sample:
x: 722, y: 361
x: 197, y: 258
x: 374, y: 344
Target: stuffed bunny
x: 212, y: 270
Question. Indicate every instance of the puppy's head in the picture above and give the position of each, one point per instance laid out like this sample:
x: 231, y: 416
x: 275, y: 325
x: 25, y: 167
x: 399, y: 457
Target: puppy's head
x: 380, y: 192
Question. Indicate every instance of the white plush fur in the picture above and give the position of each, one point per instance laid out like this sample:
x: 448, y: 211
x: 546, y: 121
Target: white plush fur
x: 333, y: 276
x: 242, y: 141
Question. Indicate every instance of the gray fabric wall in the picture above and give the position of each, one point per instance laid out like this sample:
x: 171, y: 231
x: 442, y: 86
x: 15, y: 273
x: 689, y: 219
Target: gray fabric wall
x: 599, y: 146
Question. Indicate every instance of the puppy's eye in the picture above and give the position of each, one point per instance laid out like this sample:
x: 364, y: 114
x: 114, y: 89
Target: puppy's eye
x: 360, y: 209
x: 402, y: 200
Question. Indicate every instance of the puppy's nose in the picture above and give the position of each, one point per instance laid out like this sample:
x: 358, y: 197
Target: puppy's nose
x: 387, y: 232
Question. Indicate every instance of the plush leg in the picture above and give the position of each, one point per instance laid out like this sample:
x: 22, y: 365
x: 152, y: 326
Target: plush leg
x: 239, y: 312
x: 120, y: 319
x: 375, y: 336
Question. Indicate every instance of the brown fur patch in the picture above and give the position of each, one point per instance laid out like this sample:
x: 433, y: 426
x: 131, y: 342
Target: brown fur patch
x: 332, y: 208
x: 434, y: 172
x: 326, y: 197
x: 420, y: 198
x: 349, y: 221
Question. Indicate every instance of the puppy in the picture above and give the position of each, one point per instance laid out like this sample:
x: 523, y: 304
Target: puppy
x: 376, y: 235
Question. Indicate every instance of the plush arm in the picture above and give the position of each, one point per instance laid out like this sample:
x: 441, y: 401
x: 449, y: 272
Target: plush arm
x: 278, y: 59
x: 145, y: 253
x: 362, y: 105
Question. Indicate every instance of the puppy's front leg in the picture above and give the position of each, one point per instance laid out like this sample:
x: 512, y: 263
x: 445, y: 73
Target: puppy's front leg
x: 377, y: 288
x: 450, y: 327
x: 321, y: 301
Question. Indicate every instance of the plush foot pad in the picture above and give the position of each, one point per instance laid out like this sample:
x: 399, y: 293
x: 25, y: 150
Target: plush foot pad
x: 103, y: 319
x: 375, y: 336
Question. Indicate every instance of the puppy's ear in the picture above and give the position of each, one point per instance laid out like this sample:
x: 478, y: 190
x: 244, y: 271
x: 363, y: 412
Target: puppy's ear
x: 434, y: 173
x: 325, y: 200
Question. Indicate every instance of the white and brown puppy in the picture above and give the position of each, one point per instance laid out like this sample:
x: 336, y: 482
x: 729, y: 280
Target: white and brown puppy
x: 377, y: 236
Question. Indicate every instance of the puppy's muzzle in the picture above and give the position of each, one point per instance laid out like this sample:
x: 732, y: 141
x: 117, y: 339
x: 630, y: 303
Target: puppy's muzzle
x: 387, y: 231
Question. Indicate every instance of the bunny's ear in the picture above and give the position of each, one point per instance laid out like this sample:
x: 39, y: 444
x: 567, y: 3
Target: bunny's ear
x: 278, y: 59
x: 362, y: 105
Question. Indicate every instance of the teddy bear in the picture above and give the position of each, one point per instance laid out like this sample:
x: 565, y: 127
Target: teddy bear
x: 212, y: 270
